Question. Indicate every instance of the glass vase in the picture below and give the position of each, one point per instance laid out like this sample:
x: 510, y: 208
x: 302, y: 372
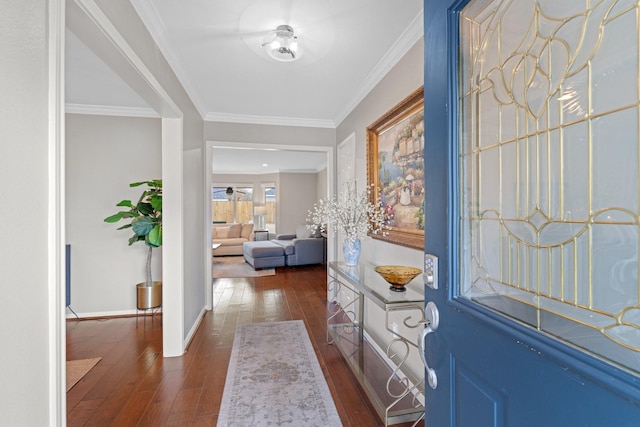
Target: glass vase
x: 351, y: 250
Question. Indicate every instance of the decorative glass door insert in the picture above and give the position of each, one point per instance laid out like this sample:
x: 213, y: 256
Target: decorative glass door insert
x: 548, y: 169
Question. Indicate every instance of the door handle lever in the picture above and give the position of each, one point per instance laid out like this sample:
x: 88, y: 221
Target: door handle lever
x: 431, y: 325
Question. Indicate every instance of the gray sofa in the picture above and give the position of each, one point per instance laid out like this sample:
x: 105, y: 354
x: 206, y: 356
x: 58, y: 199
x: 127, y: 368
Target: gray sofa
x: 302, y: 248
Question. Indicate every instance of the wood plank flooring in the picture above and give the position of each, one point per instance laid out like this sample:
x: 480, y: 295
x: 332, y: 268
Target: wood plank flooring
x: 133, y: 385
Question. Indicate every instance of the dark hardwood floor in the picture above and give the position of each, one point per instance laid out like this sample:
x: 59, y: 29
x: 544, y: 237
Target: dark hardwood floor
x: 133, y: 385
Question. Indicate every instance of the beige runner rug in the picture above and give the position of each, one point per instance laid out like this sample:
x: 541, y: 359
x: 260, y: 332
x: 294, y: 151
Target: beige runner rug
x: 274, y: 379
x: 76, y: 369
x: 236, y: 266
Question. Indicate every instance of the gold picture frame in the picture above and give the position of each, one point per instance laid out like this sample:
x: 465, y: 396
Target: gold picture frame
x: 395, y: 170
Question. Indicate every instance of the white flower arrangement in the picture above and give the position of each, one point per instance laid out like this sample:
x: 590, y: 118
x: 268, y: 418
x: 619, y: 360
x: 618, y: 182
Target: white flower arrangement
x: 350, y: 211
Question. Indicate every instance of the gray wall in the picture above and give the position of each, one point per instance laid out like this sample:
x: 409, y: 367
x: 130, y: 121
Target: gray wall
x: 194, y: 239
x: 104, y: 155
x: 188, y: 264
x: 321, y: 189
x: 25, y: 327
x: 296, y: 194
x: 403, y: 79
x: 265, y: 134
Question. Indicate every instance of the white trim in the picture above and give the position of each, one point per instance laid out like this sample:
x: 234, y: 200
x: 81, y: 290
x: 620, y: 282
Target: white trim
x: 148, y: 14
x: 105, y: 110
x: 97, y: 16
x: 345, y: 162
x: 278, y: 171
x: 56, y: 214
x: 194, y: 328
x: 329, y: 151
x: 267, y: 120
x: 208, y: 253
x: 104, y: 314
x: 173, y: 238
x: 413, y: 34
x: 172, y: 167
x: 259, y: 146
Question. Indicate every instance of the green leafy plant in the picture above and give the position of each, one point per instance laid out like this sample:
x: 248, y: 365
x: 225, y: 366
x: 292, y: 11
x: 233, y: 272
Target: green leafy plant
x: 146, y: 218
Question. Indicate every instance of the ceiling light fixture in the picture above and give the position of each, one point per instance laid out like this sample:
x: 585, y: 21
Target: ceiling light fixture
x: 282, y: 44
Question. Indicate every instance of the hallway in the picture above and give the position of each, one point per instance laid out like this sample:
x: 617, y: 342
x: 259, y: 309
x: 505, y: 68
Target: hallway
x: 134, y: 386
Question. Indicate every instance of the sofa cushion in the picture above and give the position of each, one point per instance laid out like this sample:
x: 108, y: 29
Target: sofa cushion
x: 220, y: 232
x: 234, y: 231
x: 230, y: 242
x: 302, y: 232
x: 262, y: 249
x: 246, y: 231
x: 286, y: 245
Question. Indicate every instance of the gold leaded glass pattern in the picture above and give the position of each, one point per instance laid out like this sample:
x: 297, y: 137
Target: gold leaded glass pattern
x: 549, y: 101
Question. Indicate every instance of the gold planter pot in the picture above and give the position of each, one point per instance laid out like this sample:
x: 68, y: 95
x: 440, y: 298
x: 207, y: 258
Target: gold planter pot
x: 149, y: 296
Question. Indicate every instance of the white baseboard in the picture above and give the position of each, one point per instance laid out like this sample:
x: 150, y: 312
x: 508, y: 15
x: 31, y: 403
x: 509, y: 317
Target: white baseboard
x: 194, y: 329
x: 104, y: 314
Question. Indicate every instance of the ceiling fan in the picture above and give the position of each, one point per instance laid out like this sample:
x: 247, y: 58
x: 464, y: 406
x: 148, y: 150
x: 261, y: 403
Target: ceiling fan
x: 228, y: 192
x: 255, y: 26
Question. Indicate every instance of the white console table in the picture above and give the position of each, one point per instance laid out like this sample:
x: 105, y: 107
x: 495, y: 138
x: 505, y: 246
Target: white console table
x: 390, y: 386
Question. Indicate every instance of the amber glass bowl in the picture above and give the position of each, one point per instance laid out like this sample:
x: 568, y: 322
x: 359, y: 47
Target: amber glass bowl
x: 397, y: 275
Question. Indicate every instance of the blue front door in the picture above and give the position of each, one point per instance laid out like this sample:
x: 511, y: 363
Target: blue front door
x: 532, y: 207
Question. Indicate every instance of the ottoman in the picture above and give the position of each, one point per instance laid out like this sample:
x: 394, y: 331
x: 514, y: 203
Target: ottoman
x: 263, y: 254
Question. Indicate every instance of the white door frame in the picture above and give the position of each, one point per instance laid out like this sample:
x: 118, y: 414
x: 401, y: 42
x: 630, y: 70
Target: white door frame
x: 208, y: 171
x: 95, y: 21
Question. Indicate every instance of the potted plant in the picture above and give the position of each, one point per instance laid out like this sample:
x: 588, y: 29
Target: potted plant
x: 146, y: 223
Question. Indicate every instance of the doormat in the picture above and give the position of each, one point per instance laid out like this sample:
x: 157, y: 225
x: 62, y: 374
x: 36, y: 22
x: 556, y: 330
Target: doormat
x: 77, y: 369
x: 274, y: 379
x: 236, y: 266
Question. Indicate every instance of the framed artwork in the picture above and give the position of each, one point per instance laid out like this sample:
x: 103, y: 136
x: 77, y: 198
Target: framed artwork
x: 395, y: 170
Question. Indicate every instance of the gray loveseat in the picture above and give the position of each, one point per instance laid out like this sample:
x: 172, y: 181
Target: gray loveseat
x: 302, y: 248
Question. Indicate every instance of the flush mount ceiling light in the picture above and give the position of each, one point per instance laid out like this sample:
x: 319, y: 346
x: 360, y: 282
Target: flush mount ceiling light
x: 282, y: 44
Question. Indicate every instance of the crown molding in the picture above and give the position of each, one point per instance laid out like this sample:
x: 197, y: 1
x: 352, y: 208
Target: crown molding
x: 102, y: 110
x: 411, y: 35
x: 267, y: 120
x: 148, y: 14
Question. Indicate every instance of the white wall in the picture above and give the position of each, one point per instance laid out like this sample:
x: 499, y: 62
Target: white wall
x: 25, y: 322
x: 104, y: 155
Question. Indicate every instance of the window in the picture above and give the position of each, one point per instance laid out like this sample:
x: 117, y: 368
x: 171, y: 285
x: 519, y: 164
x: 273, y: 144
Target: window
x: 270, y: 202
x: 231, y: 204
x: 549, y: 169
